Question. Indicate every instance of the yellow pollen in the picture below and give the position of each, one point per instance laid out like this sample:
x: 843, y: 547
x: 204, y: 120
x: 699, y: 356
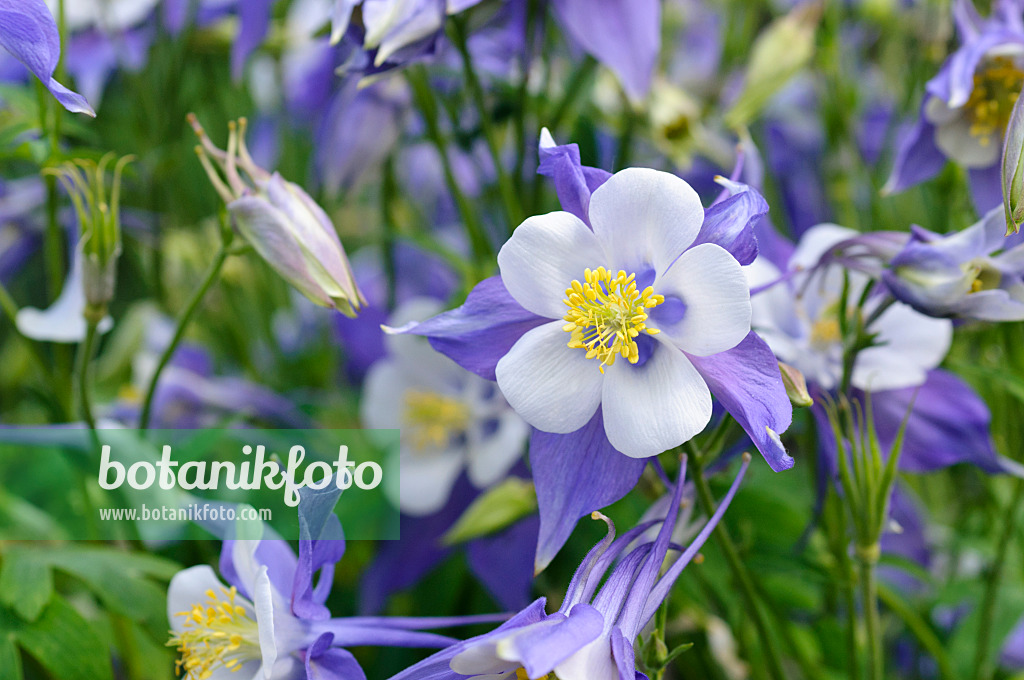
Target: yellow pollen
x: 434, y: 418
x: 997, y: 84
x: 521, y: 675
x: 607, y: 313
x: 216, y: 633
x: 825, y: 331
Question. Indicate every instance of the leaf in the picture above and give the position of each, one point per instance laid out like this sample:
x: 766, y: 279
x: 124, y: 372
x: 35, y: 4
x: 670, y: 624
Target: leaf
x: 26, y: 583
x: 10, y: 660
x: 494, y: 510
x: 61, y: 641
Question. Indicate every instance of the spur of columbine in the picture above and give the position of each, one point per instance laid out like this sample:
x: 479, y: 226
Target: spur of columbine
x: 591, y: 635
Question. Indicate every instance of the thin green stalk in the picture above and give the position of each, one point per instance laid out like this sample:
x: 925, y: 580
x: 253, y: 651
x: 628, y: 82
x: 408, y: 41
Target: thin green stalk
x: 869, y: 601
x: 85, y: 352
x: 427, y: 104
x: 983, y: 668
x: 513, y: 209
x: 10, y: 309
x: 921, y: 630
x: 183, y: 321
x: 739, y: 571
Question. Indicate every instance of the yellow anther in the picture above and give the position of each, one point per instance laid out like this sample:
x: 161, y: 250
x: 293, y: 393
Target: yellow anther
x: 217, y: 633
x: 606, y: 313
x: 433, y: 419
x: 997, y: 84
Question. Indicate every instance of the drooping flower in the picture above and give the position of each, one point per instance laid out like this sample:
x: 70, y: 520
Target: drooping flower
x: 800, y: 320
x: 974, y: 274
x: 64, y: 320
x: 28, y: 31
x: 451, y: 420
x: 270, y: 620
x: 285, y: 226
x: 525, y: 327
x: 796, y: 308
x: 591, y: 635
x: 967, y: 104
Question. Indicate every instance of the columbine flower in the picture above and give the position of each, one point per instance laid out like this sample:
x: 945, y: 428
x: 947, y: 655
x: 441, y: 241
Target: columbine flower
x: 27, y: 31
x: 636, y: 288
x: 285, y: 226
x: 527, y: 325
x: 64, y: 320
x: 271, y: 623
x: 967, y: 104
x: 800, y: 321
x: 971, y: 274
x: 450, y: 419
x: 591, y: 635
x: 798, y: 315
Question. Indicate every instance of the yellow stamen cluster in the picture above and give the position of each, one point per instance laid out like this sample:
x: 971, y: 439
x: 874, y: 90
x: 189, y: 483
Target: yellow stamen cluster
x: 997, y: 84
x: 434, y: 418
x: 825, y: 332
x: 521, y: 675
x: 216, y: 633
x: 606, y: 314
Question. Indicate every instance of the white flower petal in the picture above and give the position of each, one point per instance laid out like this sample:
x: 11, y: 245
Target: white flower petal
x: 263, y: 602
x: 645, y: 218
x: 543, y: 256
x: 552, y: 386
x: 651, y: 408
x: 426, y: 480
x: 62, y: 321
x: 593, y: 662
x: 492, y: 457
x: 909, y: 345
x: 187, y: 589
x: 711, y: 284
x: 482, y: 659
x: 816, y: 241
x: 956, y: 141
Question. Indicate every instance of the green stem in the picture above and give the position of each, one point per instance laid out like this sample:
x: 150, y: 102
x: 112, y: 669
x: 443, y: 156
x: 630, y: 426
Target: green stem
x: 739, y: 571
x: 869, y: 602
x: 982, y: 665
x: 85, y: 352
x: 921, y: 630
x: 513, y: 209
x: 186, y: 316
x: 10, y: 309
x: 425, y: 101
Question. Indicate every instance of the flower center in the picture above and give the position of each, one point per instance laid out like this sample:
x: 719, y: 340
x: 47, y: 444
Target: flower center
x: 825, y: 332
x: 983, y: 275
x: 996, y: 87
x: 607, y: 313
x: 216, y: 633
x: 521, y: 675
x: 434, y: 418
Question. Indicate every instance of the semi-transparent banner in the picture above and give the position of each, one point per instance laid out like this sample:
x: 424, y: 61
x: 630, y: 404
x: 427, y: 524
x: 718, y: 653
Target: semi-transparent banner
x: 167, y: 485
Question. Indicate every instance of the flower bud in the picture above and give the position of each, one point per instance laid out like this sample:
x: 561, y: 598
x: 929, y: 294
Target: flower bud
x: 282, y: 223
x: 1013, y: 170
x: 796, y: 386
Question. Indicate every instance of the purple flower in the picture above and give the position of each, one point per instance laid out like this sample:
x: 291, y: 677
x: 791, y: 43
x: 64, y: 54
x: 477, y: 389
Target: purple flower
x: 967, y: 104
x: 271, y: 622
x: 27, y: 31
x: 591, y: 635
x: 652, y: 226
x: 974, y: 274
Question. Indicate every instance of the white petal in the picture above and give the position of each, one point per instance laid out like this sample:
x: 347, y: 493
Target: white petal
x: 711, y: 284
x: 426, y: 480
x: 956, y: 141
x: 593, y: 662
x: 543, y: 256
x: 552, y: 386
x: 263, y: 602
x: 645, y: 218
x: 654, y: 407
x: 493, y: 456
x: 62, y: 321
x: 187, y: 589
x: 816, y: 241
x: 383, y: 396
x: 482, y: 659
x: 910, y: 344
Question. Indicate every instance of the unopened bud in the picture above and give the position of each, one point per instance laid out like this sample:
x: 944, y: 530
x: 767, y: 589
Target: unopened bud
x: 796, y: 386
